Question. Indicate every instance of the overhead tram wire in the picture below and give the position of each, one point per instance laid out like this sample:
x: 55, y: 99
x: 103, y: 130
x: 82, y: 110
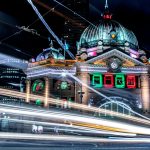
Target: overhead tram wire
x: 49, y: 29
x: 50, y: 10
x: 75, y: 13
x: 18, y: 32
x: 21, y: 29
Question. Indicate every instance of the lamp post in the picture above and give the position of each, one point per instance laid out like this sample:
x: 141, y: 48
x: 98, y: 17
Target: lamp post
x: 80, y: 92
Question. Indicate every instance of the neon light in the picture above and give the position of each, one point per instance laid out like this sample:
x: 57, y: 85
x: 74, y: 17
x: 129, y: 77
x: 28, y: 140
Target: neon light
x: 97, y: 80
x: 92, y: 54
x: 108, y: 81
x: 38, y: 85
x: 92, y: 49
x: 38, y: 102
x: 131, y: 81
x: 64, y: 85
x: 120, y: 81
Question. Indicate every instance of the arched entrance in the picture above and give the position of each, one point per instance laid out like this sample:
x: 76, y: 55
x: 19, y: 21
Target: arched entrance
x: 118, y: 104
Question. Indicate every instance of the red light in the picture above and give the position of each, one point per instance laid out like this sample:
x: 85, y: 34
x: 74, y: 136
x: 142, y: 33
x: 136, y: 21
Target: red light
x: 108, y: 81
x: 131, y: 81
x: 107, y: 16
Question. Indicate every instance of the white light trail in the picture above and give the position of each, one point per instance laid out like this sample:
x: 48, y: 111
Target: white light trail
x: 45, y: 137
x: 75, y: 13
x: 72, y: 105
x: 55, y: 115
x: 13, y: 61
x: 92, y: 89
x: 80, y: 129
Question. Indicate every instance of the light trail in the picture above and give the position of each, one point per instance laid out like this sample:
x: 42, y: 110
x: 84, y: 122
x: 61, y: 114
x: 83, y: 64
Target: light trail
x: 73, y: 105
x: 74, y: 118
x: 78, y: 128
x: 21, y: 136
x: 92, y: 89
x: 13, y: 61
x: 49, y: 29
x: 74, y: 13
x: 52, y: 9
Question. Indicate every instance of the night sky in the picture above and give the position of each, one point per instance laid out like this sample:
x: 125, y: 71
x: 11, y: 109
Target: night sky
x: 132, y: 14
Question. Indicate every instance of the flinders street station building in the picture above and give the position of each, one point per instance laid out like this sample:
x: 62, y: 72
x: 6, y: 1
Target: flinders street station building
x: 109, y: 67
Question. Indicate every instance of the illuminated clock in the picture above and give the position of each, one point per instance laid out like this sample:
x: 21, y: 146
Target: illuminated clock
x: 38, y: 86
x: 114, y: 64
x: 113, y: 34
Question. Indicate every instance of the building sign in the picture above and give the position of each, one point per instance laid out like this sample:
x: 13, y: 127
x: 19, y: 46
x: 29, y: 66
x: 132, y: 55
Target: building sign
x: 97, y: 80
x: 108, y: 81
x: 131, y: 81
x: 120, y: 81
x: 113, y: 80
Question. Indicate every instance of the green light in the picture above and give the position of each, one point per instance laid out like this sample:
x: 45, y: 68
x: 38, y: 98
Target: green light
x: 69, y: 99
x: 38, y: 102
x: 97, y: 80
x: 64, y: 85
x: 38, y: 85
x: 120, y: 81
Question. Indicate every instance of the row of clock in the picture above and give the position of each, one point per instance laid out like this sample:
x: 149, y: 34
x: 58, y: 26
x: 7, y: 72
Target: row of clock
x: 109, y: 81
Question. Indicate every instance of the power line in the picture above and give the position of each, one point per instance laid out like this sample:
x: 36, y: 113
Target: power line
x: 75, y: 13
x: 49, y: 29
x: 18, y: 32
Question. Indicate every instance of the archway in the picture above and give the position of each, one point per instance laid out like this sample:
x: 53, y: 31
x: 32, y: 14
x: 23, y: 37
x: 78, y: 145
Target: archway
x: 118, y: 104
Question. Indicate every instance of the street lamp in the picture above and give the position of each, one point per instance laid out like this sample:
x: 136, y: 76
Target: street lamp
x: 81, y: 94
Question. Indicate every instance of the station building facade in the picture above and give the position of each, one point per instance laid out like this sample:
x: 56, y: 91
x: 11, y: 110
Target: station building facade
x: 108, y: 60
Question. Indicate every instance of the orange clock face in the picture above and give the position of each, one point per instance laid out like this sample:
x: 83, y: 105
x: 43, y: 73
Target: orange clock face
x: 113, y: 36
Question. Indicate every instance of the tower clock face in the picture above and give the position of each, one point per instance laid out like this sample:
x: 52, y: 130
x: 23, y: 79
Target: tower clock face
x: 114, y: 64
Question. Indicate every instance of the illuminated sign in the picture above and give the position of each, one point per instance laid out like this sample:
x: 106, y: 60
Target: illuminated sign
x: 108, y: 81
x: 97, y: 80
x: 64, y: 85
x: 38, y: 86
x: 120, y: 81
x: 131, y: 81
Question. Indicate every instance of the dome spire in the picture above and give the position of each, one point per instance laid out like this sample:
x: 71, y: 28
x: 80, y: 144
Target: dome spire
x: 106, y: 4
x: 107, y: 15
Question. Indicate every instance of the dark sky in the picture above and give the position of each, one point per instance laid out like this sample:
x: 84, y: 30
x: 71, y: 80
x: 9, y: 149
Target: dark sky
x: 132, y: 14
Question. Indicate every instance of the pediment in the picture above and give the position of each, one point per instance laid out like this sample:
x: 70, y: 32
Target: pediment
x: 126, y: 59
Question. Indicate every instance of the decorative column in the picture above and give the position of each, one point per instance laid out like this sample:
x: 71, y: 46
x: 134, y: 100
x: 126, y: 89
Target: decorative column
x: 46, y: 103
x: 145, y: 89
x: 28, y: 89
x: 82, y: 92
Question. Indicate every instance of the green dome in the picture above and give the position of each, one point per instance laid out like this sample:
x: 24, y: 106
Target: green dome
x: 50, y: 52
x: 107, y: 32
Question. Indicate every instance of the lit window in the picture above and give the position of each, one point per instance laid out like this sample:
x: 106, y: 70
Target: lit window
x: 131, y: 81
x: 108, y: 81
